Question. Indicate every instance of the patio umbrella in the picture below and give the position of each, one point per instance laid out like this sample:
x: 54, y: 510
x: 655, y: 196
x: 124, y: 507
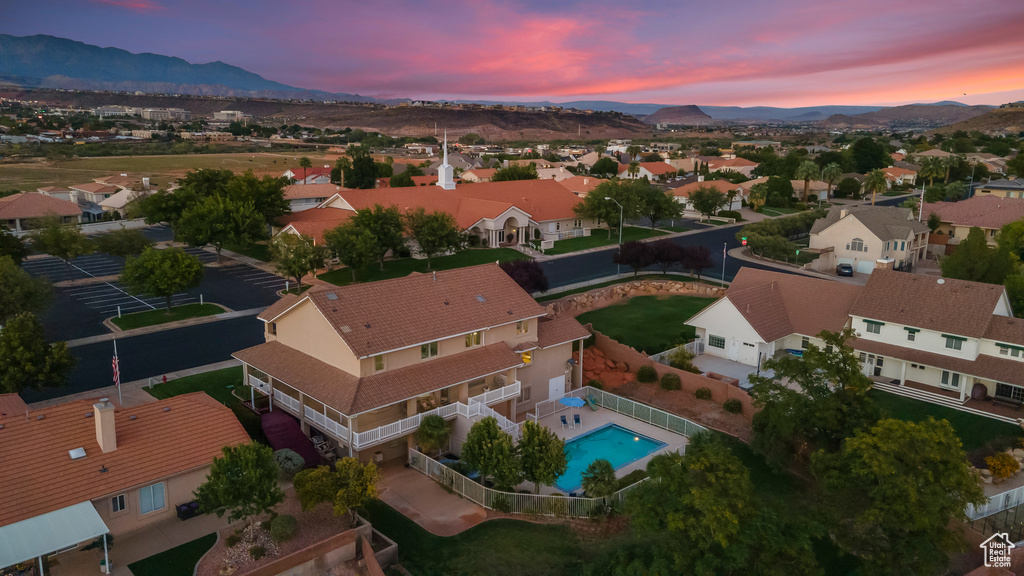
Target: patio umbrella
x: 572, y: 402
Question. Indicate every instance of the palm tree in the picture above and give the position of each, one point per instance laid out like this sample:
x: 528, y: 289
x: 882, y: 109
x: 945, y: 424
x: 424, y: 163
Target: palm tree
x: 432, y: 433
x: 831, y: 174
x: 633, y: 151
x: 807, y: 171
x: 599, y: 479
x: 930, y: 168
x: 876, y: 182
x: 304, y: 163
x: 634, y: 169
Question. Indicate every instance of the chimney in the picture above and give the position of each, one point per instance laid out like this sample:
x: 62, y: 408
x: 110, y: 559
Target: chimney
x: 145, y: 183
x: 700, y: 178
x: 843, y: 213
x: 103, y: 414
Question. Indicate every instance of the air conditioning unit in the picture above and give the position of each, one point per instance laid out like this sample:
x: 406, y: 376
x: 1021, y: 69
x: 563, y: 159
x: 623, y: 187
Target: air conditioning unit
x: 378, y: 456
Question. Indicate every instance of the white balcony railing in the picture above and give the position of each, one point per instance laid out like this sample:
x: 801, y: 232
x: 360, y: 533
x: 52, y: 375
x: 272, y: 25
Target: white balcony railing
x: 259, y: 384
x: 287, y: 401
x: 504, y: 393
x: 326, y: 424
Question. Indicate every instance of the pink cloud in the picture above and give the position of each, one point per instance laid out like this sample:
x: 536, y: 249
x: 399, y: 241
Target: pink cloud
x: 136, y: 5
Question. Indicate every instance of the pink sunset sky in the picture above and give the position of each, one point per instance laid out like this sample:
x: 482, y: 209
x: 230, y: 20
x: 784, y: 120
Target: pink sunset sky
x: 743, y: 53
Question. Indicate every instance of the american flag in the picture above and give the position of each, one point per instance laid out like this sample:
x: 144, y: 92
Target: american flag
x: 113, y: 364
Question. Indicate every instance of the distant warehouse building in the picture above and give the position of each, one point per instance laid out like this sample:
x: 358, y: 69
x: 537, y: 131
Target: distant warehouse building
x: 165, y: 114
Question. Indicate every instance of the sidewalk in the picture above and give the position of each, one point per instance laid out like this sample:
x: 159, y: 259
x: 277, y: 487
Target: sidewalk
x: 423, y: 501
x: 162, y: 327
x: 133, y: 393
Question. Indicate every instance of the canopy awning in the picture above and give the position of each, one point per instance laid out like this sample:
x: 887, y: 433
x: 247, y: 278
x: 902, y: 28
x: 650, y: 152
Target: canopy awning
x: 48, y: 533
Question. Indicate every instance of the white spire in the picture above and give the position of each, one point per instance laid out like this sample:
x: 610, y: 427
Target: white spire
x: 445, y: 173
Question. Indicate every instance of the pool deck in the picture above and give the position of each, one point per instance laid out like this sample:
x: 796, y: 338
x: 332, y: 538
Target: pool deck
x: 592, y: 420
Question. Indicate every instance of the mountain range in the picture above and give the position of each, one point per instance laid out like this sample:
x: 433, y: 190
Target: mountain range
x: 42, y: 61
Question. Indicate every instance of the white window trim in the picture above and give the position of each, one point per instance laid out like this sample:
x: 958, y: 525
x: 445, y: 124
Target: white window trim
x: 163, y: 506
x: 124, y: 503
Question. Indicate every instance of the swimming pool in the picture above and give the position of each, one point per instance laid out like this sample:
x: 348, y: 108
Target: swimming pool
x: 616, y: 444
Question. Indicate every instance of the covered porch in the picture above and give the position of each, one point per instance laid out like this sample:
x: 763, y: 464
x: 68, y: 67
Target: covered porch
x: 33, y: 539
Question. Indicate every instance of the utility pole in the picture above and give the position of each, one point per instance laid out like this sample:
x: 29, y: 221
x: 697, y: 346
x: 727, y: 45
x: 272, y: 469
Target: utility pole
x: 725, y: 253
x: 618, y: 267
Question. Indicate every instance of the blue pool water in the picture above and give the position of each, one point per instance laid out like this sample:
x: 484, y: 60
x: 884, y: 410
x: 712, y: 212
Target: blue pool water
x: 616, y: 444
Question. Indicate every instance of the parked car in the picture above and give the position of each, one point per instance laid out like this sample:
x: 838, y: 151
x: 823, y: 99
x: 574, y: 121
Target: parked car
x: 844, y: 270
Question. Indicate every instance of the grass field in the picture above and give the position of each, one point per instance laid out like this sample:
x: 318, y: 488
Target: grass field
x: 39, y: 172
x: 260, y: 252
x: 648, y: 323
x: 161, y: 316
x: 777, y: 211
x: 406, y: 266
x: 178, y: 561
x: 675, y: 228
x: 974, y: 431
x: 600, y: 238
x: 218, y: 384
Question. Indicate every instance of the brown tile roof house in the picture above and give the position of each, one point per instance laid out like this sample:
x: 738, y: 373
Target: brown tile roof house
x: 926, y: 302
x: 315, y: 221
x: 11, y: 405
x: 165, y: 438
x: 722, y: 186
x: 302, y: 191
x: 29, y: 205
x: 992, y: 212
x: 581, y: 185
x: 885, y: 222
x: 778, y: 304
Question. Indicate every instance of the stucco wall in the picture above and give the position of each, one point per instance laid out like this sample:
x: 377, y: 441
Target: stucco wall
x: 576, y: 304
x: 305, y: 329
x: 177, y: 490
x: 548, y: 363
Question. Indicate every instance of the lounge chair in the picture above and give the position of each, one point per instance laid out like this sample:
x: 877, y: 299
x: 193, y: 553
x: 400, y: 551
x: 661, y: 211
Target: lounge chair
x: 564, y: 421
x: 576, y: 421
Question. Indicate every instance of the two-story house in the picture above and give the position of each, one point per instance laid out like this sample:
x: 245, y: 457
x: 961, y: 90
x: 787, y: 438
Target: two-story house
x: 305, y: 196
x: 361, y: 364
x: 990, y: 213
x: 1003, y: 188
x: 862, y: 235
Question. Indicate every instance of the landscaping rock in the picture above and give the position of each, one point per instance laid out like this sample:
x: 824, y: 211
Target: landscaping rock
x: 1018, y: 452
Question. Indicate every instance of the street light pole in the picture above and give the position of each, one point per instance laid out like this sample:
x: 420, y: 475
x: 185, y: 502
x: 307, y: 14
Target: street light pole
x: 618, y: 267
x: 725, y: 252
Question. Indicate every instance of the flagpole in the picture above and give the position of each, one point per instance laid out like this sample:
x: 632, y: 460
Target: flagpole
x: 118, y: 381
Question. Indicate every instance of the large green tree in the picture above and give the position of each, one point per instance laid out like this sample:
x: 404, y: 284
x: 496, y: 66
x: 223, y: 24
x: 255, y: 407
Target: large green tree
x: 542, y: 455
x: 515, y: 172
x: 297, y: 255
x: 605, y: 167
x: 305, y: 164
x: 707, y: 200
x: 386, y: 226
x: 658, y: 204
x: 869, y: 155
x: 348, y: 486
x: 435, y: 233
x: 12, y: 247
x: 818, y: 399
x: 597, y: 205
x: 266, y: 194
x: 363, y: 172
x: 491, y: 452
x: 355, y: 247
x: 217, y: 221
x: 242, y: 483
x: 56, y: 238
x: 598, y: 480
x: 162, y: 273
x: 976, y: 261
x: 195, y: 186
x: 27, y: 360
x: 124, y: 242
x: 21, y: 292
x: 892, y: 493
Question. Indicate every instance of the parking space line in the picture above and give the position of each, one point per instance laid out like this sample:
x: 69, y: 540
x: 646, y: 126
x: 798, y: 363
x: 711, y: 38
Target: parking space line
x: 118, y: 289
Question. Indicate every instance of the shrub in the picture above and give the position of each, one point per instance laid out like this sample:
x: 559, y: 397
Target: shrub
x: 731, y: 214
x: 596, y: 384
x: 557, y: 505
x: 404, y: 252
x: 231, y: 539
x: 501, y: 503
x: 257, y: 552
x: 799, y: 206
x: 812, y: 198
x: 283, y: 528
x: 473, y: 240
x: 646, y: 374
x: 670, y: 381
x: 536, y: 233
x: 289, y: 461
x: 631, y: 478
x: 1002, y: 465
x: 682, y: 359
x: 733, y: 406
x: 703, y: 393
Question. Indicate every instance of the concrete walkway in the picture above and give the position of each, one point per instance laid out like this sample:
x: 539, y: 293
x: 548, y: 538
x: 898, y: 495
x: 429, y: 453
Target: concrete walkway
x: 133, y: 393
x: 424, y: 502
x: 162, y: 327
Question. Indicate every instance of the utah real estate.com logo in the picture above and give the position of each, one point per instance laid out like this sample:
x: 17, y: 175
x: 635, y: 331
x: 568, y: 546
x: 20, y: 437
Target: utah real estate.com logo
x: 997, y: 550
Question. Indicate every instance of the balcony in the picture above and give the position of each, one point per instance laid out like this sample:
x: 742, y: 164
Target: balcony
x: 323, y: 422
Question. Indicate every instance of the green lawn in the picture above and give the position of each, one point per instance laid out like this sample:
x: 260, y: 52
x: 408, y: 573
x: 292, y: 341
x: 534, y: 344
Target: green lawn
x: 676, y: 277
x: 974, y: 431
x: 218, y: 384
x: 600, y: 238
x: 675, y: 228
x: 260, y: 252
x: 178, y: 561
x: 648, y: 323
x: 406, y: 266
x: 161, y: 316
x: 777, y: 211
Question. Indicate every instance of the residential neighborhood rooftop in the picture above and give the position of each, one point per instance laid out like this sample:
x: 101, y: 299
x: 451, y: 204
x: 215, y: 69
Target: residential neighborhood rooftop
x: 981, y: 211
x: 885, y: 222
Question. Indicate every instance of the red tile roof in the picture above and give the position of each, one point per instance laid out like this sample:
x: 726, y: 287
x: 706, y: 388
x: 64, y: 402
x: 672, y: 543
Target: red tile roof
x: 722, y: 186
x: 300, y: 191
x: 39, y: 476
x: 732, y: 163
x: 555, y: 331
x: 34, y: 205
x: 315, y: 221
x: 11, y: 404
x: 656, y: 168
x: 581, y: 185
x: 424, y: 180
x: 983, y: 211
x: 96, y: 188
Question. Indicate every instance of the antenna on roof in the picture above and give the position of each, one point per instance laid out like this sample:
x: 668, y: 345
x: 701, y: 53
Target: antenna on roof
x: 435, y: 275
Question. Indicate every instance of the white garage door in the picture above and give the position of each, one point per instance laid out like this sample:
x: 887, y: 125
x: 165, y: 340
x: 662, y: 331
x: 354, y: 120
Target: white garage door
x: 865, y: 266
x: 844, y: 261
x: 748, y: 354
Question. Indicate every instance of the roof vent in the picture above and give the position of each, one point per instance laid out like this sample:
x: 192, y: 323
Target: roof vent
x: 77, y: 453
x: 88, y: 414
x: 480, y: 298
x: 346, y: 329
x: 940, y: 281
x: 167, y: 408
x: 332, y: 296
x: 132, y: 417
x: 367, y: 324
x: 41, y: 416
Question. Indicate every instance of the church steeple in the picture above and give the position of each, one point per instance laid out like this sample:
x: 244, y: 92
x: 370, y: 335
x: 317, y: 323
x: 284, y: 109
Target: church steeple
x: 445, y: 173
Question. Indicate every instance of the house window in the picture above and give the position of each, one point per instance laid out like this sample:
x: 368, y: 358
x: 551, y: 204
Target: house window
x: 857, y: 245
x: 1009, y: 391
x: 151, y: 498
x: 577, y: 223
x: 950, y: 379
x: 522, y: 327
x: 428, y: 350
x: 1010, y: 351
x: 527, y: 357
x: 117, y: 503
x: 474, y: 338
x: 558, y: 226
x: 873, y: 327
x: 525, y: 396
x: 903, y: 246
x: 954, y: 342
x: 805, y: 342
x: 272, y: 327
x: 911, y: 336
x: 378, y: 363
x: 716, y: 341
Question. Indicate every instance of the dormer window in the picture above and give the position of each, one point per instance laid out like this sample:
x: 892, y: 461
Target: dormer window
x: 378, y: 363
x: 522, y: 327
x: 474, y: 338
x: 428, y: 350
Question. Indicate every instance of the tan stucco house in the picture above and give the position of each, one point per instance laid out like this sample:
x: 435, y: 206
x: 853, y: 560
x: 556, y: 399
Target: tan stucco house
x: 863, y: 235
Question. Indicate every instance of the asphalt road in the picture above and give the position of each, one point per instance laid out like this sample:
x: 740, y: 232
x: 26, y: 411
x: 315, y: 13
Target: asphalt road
x: 155, y: 354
